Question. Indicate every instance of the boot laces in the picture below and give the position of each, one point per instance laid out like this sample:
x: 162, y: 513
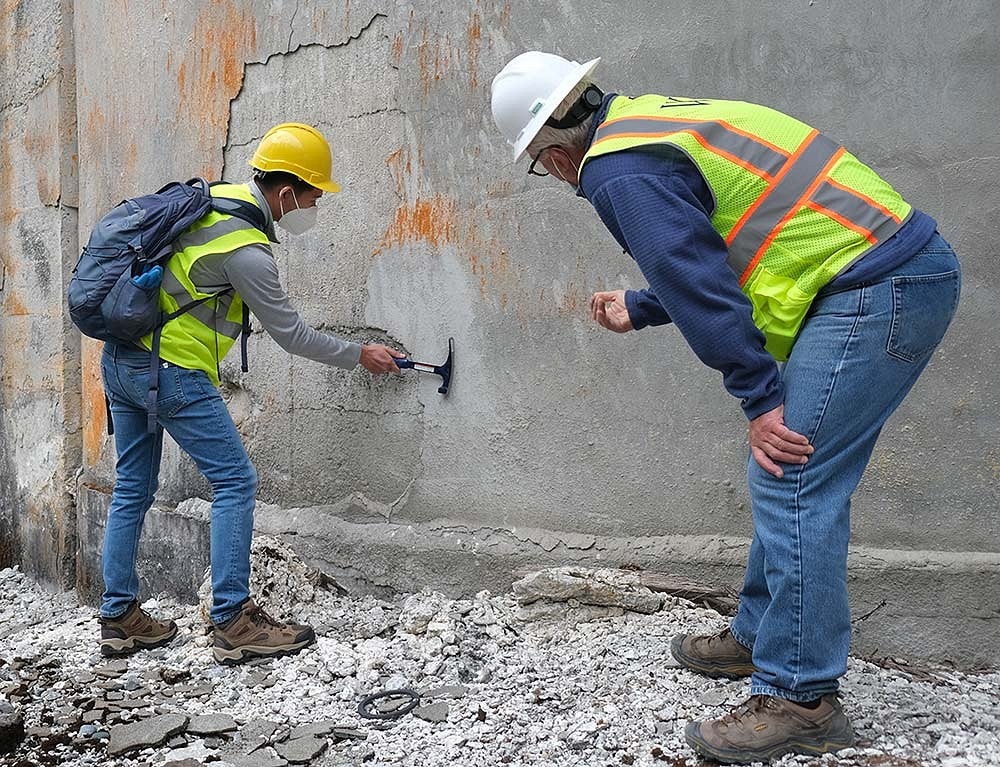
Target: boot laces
x: 749, y: 709
x: 261, y: 618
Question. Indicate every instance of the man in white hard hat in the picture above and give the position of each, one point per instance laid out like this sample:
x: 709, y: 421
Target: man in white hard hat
x: 818, y: 293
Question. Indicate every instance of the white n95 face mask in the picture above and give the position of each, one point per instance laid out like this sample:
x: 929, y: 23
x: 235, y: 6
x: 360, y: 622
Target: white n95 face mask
x: 298, y: 221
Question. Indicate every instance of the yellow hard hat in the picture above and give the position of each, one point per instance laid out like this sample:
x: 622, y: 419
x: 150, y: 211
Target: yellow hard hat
x: 297, y: 149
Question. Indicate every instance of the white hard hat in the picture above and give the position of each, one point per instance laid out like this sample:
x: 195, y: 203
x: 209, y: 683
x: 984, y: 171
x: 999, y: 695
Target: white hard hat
x: 528, y: 90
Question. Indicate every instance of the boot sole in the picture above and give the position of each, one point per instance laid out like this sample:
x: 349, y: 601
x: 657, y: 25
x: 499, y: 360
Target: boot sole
x: 735, y: 670
x: 244, y: 653
x: 807, y: 746
x: 131, y: 645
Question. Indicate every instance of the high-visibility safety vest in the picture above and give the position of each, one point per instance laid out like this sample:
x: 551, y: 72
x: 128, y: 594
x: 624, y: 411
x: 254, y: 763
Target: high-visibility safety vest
x: 794, y: 207
x: 200, y: 338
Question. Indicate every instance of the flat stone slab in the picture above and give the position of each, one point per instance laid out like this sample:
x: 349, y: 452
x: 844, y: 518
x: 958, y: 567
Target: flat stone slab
x: 435, y: 712
x: 211, y: 724
x: 301, y: 750
x: 349, y: 733
x: 256, y: 759
x: 147, y: 733
x: 322, y: 727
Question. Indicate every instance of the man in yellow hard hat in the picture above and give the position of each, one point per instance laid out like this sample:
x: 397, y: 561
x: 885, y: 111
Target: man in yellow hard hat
x: 819, y: 294
x: 227, y: 261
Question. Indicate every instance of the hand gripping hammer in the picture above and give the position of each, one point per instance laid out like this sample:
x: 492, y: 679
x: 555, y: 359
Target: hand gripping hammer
x: 443, y: 370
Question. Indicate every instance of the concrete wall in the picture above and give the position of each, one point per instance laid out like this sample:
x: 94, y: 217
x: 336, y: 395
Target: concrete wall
x: 559, y: 442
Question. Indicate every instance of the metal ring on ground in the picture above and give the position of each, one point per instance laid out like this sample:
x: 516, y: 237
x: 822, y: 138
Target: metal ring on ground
x: 366, y: 711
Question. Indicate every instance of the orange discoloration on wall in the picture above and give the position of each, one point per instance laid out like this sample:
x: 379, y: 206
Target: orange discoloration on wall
x: 397, y: 48
x: 13, y: 306
x: 431, y: 220
x: 7, y: 210
x: 131, y: 160
x: 475, y: 33
x: 212, y: 73
x: 94, y: 414
x: 95, y: 124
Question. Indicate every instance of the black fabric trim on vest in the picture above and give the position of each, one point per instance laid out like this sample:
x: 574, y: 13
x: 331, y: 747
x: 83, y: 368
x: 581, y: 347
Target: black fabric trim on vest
x: 239, y: 208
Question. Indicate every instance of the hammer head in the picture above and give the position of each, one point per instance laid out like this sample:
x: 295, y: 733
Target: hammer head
x: 445, y: 370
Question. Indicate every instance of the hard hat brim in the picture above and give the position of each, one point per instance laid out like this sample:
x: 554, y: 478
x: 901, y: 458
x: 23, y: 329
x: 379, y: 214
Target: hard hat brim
x: 328, y: 186
x: 551, y: 104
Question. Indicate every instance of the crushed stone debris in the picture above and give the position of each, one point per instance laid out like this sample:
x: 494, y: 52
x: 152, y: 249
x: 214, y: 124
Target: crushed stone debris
x: 567, y: 687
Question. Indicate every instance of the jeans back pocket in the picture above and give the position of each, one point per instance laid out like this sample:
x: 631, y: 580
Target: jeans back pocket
x: 922, y: 308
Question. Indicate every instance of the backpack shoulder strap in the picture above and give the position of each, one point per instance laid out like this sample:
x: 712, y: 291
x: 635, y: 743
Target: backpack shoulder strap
x: 241, y: 209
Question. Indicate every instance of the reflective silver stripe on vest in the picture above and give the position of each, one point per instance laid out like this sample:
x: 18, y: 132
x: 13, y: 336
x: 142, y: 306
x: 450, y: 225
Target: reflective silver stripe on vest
x: 205, y: 313
x: 856, y: 210
x: 206, y: 234
x: 752, y: 152
x: 778, y: 201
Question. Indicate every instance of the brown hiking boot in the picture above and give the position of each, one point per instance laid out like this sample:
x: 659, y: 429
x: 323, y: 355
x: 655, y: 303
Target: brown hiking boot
x: 252, y: 633
x: 765, y: 728
x: 715, y: 655
x: 134, y: 630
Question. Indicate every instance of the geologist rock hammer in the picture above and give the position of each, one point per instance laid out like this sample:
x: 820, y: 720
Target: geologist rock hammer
x: 444, y: 370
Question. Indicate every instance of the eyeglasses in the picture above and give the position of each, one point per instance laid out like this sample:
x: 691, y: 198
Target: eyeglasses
x: 538, y: 157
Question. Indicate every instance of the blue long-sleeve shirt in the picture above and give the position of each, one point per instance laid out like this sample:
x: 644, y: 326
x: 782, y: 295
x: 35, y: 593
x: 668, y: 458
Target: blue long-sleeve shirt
x: 658, y: 206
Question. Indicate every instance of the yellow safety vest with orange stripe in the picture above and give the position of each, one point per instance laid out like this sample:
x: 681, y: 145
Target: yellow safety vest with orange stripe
x: 794, y: 207
x: 200, y: 338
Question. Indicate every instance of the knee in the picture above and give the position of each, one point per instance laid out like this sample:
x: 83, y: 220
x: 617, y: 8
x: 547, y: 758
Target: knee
x: 241, y: 481
x: 138, y: 494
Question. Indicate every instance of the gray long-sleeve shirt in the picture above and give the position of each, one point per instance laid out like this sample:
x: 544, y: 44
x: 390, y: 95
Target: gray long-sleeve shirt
x: 253, y: 273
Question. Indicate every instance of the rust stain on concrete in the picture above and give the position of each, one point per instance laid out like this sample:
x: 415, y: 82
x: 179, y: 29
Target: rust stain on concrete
x: 475, y: 33
x: 13, y: 306
x: 397, y: 48
x: 212, y: 73
x: 94, y: 415
x: 7, y: 210
x: 431, y: 220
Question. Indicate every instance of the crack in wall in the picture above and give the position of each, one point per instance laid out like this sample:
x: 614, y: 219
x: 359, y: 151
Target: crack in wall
x: 291, y: 26
x: 290, y: 50
x: 26, y: 99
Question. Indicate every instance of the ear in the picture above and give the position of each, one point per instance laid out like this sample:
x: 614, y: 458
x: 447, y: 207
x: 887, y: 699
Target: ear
x: 563, y: 161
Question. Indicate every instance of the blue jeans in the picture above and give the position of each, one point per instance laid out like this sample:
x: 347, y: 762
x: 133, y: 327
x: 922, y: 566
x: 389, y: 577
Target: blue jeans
x: 190, y: 409
x: 858, y: 354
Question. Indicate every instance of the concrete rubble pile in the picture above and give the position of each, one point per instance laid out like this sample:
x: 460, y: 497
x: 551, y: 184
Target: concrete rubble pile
x: 571, y: 669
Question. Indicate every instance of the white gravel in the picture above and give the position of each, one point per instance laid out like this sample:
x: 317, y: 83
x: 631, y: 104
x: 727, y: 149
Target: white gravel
x: 553, y: 692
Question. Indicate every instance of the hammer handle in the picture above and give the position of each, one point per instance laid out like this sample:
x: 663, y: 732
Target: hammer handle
x: 405, y: 362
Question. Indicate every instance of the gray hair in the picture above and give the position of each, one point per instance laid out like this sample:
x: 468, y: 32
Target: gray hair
x: 568, y: 137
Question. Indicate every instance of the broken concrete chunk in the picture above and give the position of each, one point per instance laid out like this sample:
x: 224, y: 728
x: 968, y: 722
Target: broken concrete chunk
x: 435, y: 712
x: 257, y: 759
x: 323, y: 727
x: 211, y: 724
x: 147, y: 733
x: 603, y: 587
x: 348, y: 733
x: 279, y: 580
x: 569, y: 611
x: 301, y: 750
x: 419, y: 610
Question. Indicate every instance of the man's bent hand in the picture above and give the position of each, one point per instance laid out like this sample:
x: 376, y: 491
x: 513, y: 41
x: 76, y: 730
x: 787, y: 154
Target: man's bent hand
x: 380, y: 359
x: 607, y: 309
x: 772, y: 442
